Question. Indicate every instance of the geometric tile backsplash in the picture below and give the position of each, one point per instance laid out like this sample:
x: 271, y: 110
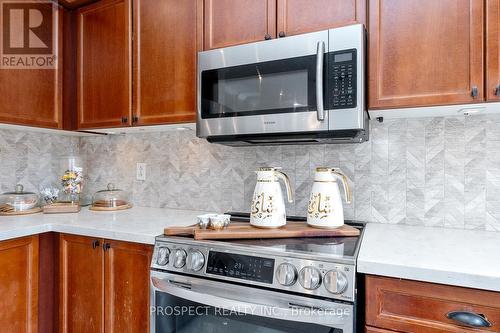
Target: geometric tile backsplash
x: 422, y: 171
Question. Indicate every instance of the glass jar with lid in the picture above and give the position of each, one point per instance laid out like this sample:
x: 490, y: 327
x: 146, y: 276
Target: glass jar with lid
x: 18, y: 201
x: 111, y: 199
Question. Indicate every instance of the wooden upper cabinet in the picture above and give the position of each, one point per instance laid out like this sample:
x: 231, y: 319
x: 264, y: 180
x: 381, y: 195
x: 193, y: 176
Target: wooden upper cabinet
x: 104, y: 64
x: 302, y: 16
x: 33, y: 97
x: 233, y: 22
x: 425, y: 52
x: 127, y: 287
x: 167, y: 39
x: 19, y: 285
x: 81, y: 278
x: 493, y: 50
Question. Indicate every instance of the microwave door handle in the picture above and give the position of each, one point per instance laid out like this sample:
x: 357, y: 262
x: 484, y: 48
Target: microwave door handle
x: 242, y: 306
x: 319, y: 80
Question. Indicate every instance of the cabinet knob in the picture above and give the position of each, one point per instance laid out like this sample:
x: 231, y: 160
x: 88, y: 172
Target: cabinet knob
x: 124, y: 120
x: 95, y: 244
x: 474, y: 92
x: 281, y: 34
x: 135, y: 119
x: 497, y: 90
x: 106, y: 246
x: 267, y: 37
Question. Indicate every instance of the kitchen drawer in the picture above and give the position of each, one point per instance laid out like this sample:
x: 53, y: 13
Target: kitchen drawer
x: 410, y: 306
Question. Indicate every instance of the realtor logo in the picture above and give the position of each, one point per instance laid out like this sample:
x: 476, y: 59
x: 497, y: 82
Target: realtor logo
x: 27, y: 35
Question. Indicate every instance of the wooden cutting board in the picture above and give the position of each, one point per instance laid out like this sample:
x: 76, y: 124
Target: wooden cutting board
x: 243, y: 230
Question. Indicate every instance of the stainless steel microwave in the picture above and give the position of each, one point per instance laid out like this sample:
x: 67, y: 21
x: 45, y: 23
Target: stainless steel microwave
x: 295, y: 90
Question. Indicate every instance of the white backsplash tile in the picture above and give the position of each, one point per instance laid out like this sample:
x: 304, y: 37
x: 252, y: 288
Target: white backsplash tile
x: 432, y: 171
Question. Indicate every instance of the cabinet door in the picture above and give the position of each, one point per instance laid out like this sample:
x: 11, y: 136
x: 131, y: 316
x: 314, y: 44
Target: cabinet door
x: 81, y: 290
x: 493, y: 50
x: 19, y: 285
x: 232, y: 22
x: 166, y: 42
x: 302, y: 16
x: 34, y: 96
x: 127, y: 286
x: 425, y: 52
x: 104, y: 64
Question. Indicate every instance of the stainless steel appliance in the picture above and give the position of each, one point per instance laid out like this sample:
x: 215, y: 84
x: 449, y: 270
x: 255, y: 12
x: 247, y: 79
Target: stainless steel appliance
x: 271, y: 286
x: 300, y: 89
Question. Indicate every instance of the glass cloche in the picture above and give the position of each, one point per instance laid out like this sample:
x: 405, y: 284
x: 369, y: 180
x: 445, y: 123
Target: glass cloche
x: 111, y: 199
x: 18, y: 200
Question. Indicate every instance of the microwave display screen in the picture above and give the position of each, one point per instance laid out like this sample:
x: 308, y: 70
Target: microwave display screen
x: 264, y: 91
x: 343, y: 57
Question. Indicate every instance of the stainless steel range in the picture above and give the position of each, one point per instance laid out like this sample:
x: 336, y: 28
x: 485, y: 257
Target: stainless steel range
x: 261, y: 285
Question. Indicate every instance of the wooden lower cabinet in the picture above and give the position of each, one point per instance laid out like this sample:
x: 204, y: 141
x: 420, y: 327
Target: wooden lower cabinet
x: 19, y: 285
x: 104, y: 285
x: 127, y: 287
x: 81, y: 304
x: 411, y: 306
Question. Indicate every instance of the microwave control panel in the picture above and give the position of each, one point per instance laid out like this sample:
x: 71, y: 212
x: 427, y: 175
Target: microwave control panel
x: 342, y: 79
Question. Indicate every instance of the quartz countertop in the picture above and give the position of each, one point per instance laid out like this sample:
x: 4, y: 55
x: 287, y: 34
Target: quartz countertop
x: 139, y: 224
x: 467, y: 258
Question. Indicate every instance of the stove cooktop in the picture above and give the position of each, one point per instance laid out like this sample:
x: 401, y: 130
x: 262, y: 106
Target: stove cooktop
x: 345, y: 247
x: 320, y: 266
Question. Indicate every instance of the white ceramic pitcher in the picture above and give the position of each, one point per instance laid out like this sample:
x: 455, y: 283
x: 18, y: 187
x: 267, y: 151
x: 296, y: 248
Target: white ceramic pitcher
x: 268, y: 206
x: 325, y: 209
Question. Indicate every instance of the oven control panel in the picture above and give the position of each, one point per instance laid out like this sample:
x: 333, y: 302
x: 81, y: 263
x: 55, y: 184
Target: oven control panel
x: 299, y: 275
x: 241, y: 266
x: 342, y: 79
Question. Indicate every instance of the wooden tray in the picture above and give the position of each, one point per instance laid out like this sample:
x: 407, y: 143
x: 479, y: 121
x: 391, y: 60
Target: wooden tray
x: 110, y: 209
x: 24, y: 212
x: 243, y: 230
x: 61, y: 208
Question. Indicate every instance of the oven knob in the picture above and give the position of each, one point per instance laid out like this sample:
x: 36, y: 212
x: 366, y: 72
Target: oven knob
x: 195, y: 260
x: 286, y: 274
x: 179, y: 258
x: 162, y: 256
x: 335, y: 281
x: 310, y: 277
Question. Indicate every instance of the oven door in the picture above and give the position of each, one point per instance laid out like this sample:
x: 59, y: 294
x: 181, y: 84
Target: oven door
x: 265, y: 87
x: 184, y: 304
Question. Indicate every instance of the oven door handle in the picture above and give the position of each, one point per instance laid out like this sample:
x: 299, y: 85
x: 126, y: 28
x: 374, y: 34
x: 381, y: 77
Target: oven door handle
x: 295, y: 312
x: 319, y: 80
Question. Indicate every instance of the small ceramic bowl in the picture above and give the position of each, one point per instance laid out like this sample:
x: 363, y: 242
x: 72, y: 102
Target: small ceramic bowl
x: 219, y: 222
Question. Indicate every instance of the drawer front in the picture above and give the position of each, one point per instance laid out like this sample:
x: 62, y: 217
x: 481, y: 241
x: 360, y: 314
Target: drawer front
x: 411, y: 306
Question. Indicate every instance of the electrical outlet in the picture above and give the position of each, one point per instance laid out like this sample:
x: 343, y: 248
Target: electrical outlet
x: 141, y: 171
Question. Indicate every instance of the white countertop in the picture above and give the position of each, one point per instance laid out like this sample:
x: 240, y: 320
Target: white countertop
x: 139, y: 224
x: 467, y: 258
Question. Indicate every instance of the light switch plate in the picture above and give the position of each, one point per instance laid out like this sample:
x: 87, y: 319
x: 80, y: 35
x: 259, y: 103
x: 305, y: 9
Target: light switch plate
x: 141, y: 171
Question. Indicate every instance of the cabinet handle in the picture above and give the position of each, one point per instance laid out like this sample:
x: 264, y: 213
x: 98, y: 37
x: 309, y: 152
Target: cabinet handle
x: 468, y: 318
x: 474, y: 92
x: 267, y: 37
x: 124, y: 120
x: 106, y: 246
x: 135, y: 119
x: 95, y: 243
x: 281, y: 34
x: 497, y: 90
